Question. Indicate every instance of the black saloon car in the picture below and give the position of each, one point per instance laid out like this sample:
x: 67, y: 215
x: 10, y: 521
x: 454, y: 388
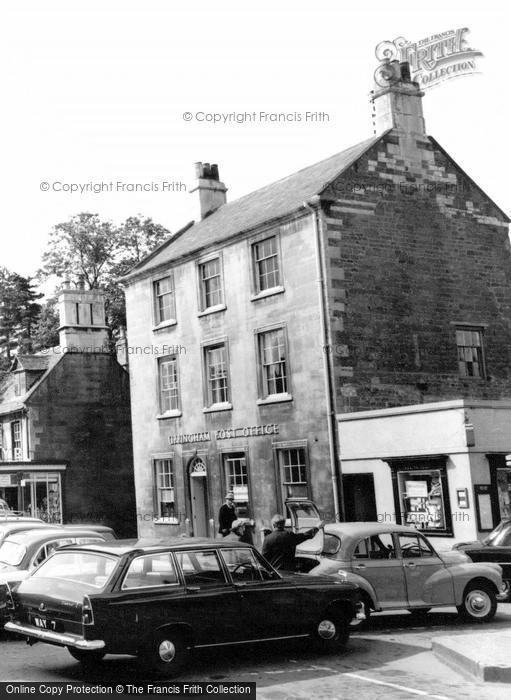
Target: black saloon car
x: 495, y: 548
x: 158, y: 601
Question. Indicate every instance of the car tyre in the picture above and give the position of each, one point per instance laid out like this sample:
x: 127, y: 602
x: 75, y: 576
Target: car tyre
x: 331, y: 633
x: 166, y: 654
x: 88, y: 659
x: 479, y: 603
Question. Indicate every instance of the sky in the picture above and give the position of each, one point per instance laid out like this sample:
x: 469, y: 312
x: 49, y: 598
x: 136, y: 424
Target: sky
x: 96, y: 92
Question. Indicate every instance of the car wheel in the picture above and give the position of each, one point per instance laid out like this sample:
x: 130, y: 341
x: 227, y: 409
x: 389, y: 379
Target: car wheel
x: 331, y: 633
x: 479, y: 603
x: 166, y: 654
x: 86, y: 658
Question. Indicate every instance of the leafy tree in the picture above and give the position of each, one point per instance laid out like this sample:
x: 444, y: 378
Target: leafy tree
x: 99, y: 253
x: 46, y: 330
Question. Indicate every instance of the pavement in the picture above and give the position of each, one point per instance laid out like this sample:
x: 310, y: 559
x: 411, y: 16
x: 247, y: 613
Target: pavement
x: 485, y: 656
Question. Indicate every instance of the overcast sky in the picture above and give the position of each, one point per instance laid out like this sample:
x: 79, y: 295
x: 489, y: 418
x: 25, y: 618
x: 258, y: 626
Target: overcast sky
x: 95, y: 92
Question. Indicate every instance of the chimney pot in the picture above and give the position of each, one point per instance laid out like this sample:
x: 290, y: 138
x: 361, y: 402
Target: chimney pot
x: 198, y: 170
x: 214, y: 172
x: 405, y: 72
x: 212, y: 192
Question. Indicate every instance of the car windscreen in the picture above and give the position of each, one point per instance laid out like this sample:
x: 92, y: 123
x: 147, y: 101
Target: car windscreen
x: 90, y: 568
x: 12, y: 553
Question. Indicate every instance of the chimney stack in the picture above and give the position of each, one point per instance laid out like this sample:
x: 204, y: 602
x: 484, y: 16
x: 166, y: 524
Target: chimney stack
x: 397, y: 101
x: 82, y: 319
x: 212, y: 192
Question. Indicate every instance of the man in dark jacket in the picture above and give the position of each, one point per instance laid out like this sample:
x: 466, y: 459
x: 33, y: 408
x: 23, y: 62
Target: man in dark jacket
x: 279, y: 547
x: 226, y: 515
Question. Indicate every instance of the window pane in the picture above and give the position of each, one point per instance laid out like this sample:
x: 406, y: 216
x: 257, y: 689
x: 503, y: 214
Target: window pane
x: 201, y: 569
x: 169, y: 391
x: 236, y: 480
x: 216, y: 375
x: 164, y: 483
x: 293, y: 471
x: 266, y: 264
x: 211, y: 284
x: 273, y: 359
x: 164, y: 299
x: 151, y: 570
x: 470, y: 355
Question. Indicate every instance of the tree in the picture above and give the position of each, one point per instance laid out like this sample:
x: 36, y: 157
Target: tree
x: 19, y: 312
x: 99, y: 253
x: 46, y: 330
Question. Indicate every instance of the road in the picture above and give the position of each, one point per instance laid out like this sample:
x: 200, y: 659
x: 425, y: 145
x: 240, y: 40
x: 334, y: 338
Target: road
x: 389, y: 658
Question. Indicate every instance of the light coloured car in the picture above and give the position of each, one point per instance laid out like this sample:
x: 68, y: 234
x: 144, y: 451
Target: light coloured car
x: 397, y: 568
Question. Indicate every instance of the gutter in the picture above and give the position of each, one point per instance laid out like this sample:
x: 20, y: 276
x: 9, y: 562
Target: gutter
x: 313, y: 206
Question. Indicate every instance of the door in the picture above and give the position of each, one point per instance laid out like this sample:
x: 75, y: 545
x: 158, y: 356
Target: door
x: 359, y: 498
x: 199, y: 497
x: 269, y: 602
x: 420, y: 563
x: 375, y: 559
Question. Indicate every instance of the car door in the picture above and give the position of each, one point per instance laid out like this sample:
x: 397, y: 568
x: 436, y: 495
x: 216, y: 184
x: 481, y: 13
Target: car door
x: 211, y: 604
x: 420, y: 563
x: 375, y: 559
x: 270, y: 603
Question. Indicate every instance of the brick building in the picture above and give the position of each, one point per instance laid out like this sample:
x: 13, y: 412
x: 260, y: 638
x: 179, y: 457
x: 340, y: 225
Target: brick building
x: 342, y: 334
x: 65, y: 425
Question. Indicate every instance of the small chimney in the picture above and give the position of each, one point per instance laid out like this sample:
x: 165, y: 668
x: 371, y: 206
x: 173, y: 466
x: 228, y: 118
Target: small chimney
x: 212, y: 192
x: 82, y: 320
x: 397, y: 101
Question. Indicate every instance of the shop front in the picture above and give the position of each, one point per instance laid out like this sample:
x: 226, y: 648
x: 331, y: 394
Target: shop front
x: 33, y: 490
x: 440, y: 467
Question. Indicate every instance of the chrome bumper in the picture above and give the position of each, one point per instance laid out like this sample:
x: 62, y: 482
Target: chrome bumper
x: 63, y: 640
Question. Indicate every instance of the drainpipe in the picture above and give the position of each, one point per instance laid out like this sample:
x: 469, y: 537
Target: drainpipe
x: 313, y: 206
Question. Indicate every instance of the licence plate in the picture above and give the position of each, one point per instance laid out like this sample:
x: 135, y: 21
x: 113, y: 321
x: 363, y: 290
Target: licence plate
x: 44, y: 624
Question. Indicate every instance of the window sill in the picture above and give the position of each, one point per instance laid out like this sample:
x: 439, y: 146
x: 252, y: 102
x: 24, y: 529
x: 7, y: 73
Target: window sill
x: 212, y: 310
x: 166, y: 521
x: 268, y: 293
x: 226, y: 406
x: 165, y: 324
x: 274, y: 398
x: 169, y: 414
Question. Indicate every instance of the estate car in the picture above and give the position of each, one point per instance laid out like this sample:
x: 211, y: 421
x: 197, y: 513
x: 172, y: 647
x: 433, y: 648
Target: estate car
x: 158, y: 601
x: 397, y: 568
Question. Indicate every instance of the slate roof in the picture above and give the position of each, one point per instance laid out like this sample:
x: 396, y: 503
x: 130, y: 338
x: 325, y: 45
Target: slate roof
x: 32, y: 362
x: 268, y: 203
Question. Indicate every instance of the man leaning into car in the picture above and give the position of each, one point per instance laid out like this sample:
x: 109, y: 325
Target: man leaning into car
x: 279, y: 547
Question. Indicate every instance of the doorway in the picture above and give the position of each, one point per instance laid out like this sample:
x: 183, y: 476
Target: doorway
x: 359, y: 498
x: 198, y: 477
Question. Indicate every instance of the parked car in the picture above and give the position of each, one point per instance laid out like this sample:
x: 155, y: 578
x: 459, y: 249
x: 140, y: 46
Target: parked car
x: 397, y: 568
x: 159, y: 601
x: 496, y: 547
x: 10, y: 527
x: 23, y: 551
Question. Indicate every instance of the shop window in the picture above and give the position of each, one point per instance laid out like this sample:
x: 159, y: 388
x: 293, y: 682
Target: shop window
x: 273, y: 362
x: 469, y: 342
x: 265, y: 255
x: 164, y: 487
x: 236, y: 480
x: 216, y: 373
x: 17, y: 452
x: 164, y: 300
x: 293, y: 472
x: 168, y: 383
x: 421, y: 494
x: 210, y: 280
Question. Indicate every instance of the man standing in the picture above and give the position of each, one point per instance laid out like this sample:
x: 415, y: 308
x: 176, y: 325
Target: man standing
x: 279, y: 547
x: 226, y: 515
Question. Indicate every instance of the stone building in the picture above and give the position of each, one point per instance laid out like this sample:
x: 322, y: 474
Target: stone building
x: 65, y: 425
x: 342, y: 335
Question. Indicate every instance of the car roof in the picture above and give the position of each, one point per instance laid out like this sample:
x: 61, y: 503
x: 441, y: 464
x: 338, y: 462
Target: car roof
x: 11, y: 518
x: 363, y: 529
x: 147, y: 545
x: 40, y: 535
